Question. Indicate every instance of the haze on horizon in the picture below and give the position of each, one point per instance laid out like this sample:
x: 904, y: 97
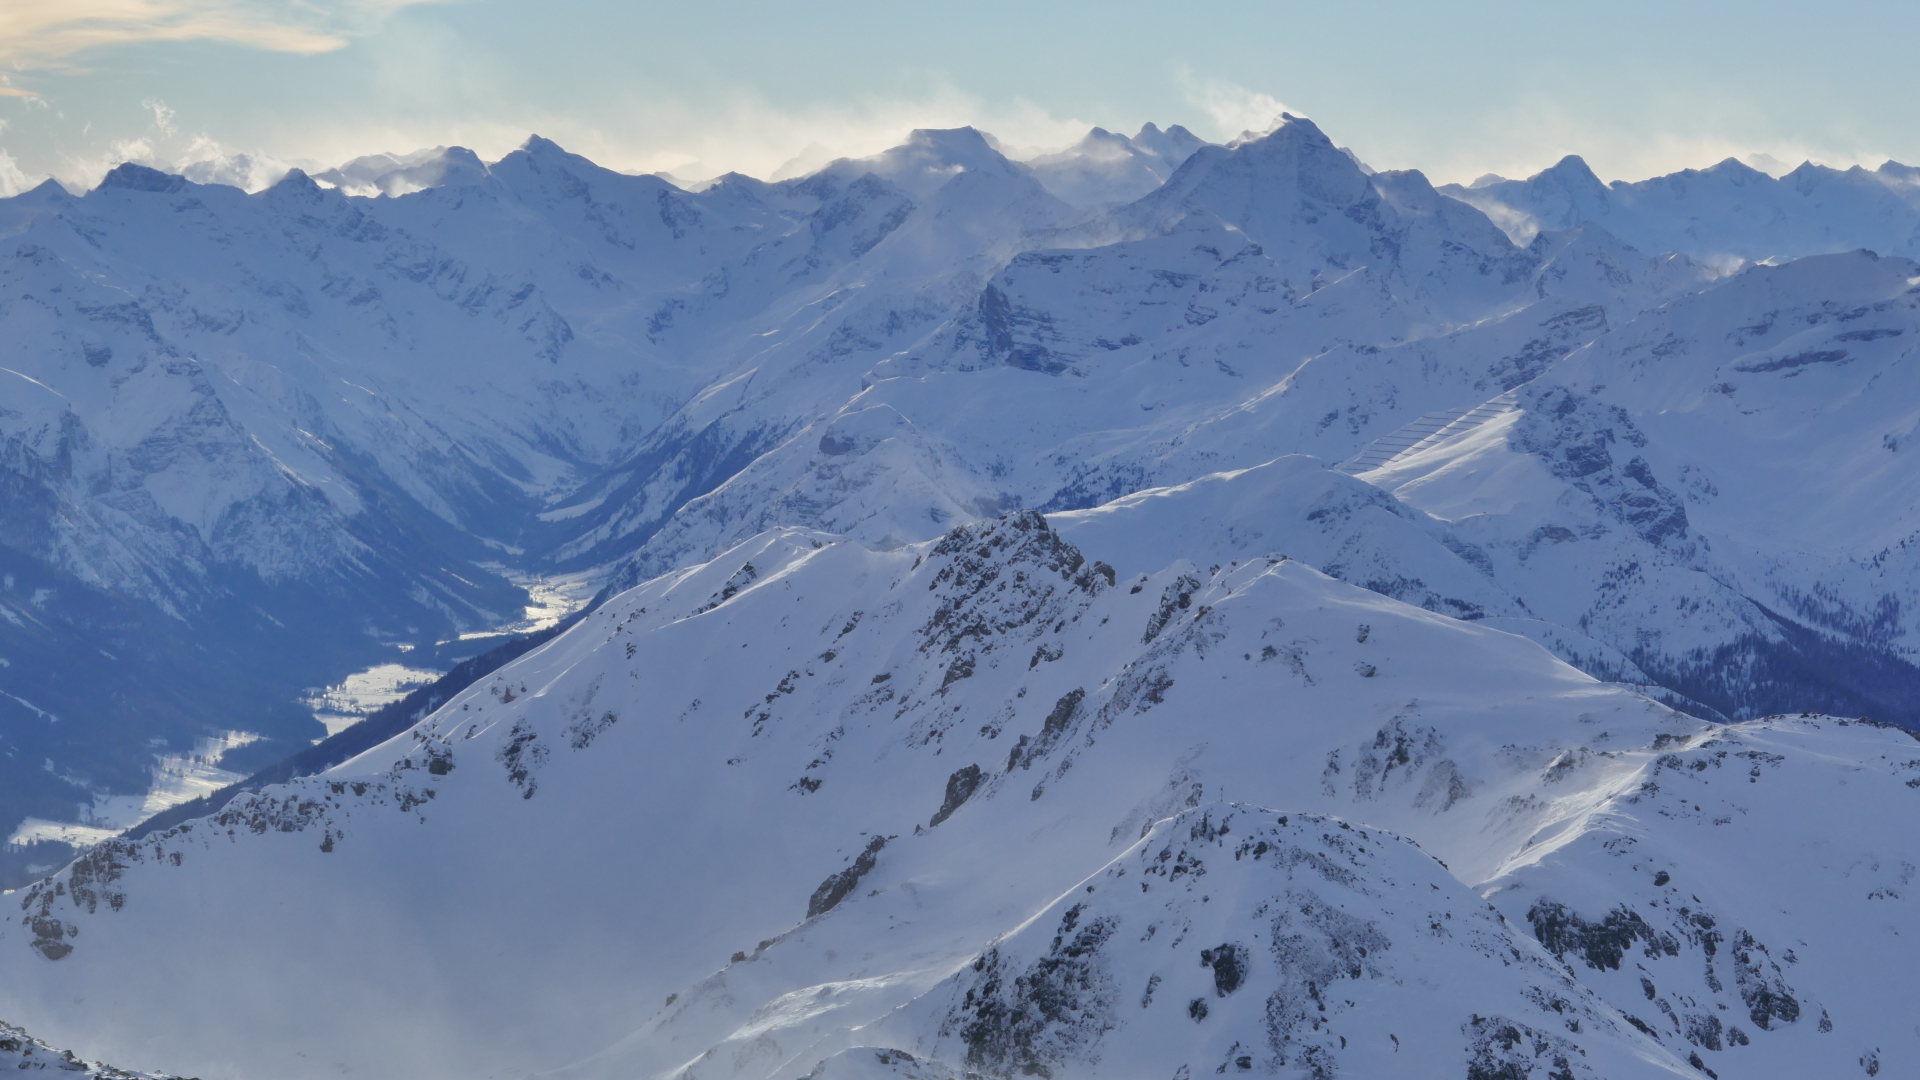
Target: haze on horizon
x: 1483, y: 86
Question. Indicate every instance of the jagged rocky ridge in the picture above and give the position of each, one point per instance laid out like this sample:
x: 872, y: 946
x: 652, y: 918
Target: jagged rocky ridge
x: 1319, y: 957
x: 815, y: 809
x: 22, y: 1054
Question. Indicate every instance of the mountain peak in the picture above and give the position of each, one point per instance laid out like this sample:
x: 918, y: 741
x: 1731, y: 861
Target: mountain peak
x: 960, y: 146
x: 1174, y: 145
x: 1101, y: 136
x: 1737, y: 170
x: 1256, y: 170
x: 296, y: 185
x: 1272, y: 187
x: 1297, y: 152
x: 297, y: 180
x: 1897, y: 171
x: 1572, y: 177
x: 1288, y: 130
x: 49, y: 189
x: 1573, y: 167
x: 930, y: 157
x: 391, y: 174
x: 131, y: 177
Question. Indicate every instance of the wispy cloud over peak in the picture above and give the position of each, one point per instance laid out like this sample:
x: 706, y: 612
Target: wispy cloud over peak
x: 1234, y: 109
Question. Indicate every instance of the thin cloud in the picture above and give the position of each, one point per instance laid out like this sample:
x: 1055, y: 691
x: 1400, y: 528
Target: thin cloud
x: 12, y: 180
x: 162, y: 115
x: 745, y: 132
x: 690, y: 139
x: 45, y: 34
x: 1234, y: 109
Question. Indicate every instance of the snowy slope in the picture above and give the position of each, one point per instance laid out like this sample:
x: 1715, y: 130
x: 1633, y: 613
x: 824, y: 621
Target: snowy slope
x: 1339, y: 525
x: 22, y: 1054
x: 206, y: 412
x: 886, y: 250
x: 1089, y: 373
x: 1711, y: 904
x: 1304, y: 965
x: 1081, y: 373
x: 302, y: 410
x: 824, y: 749
x: 1107, y: 168
x: 1717, y: 489
x: 301, y: 415
x: 253, y: 441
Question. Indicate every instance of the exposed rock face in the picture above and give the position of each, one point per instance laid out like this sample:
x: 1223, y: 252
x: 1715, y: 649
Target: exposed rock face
x: 1324, y: 914
x: 756, y: 823
x: 25, y: 1056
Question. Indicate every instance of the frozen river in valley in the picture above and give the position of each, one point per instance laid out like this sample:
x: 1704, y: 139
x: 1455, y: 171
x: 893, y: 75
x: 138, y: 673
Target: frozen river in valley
x: 550, y: 598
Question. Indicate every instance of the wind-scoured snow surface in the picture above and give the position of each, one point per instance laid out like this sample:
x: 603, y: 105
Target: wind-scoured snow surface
x: 993, y: 803
x: 977, y: 532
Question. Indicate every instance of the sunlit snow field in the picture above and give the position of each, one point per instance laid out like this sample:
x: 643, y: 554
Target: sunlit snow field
x: 177, y: 778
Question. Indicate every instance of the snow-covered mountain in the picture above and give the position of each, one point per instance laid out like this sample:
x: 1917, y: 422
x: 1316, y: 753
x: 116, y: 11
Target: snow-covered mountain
x: 1002, y: 807
x: 1340, y: 473
x: 1725, y: 214
x: 1107, y: 168
x: 403, y: 174
x: 1240, y: 294
x: 1717, y: 489
x: 307, y: 426
x: 1089, y: 373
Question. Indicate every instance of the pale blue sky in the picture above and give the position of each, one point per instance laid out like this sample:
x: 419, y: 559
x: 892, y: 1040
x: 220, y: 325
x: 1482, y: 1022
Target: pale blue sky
x: 1458, y: 89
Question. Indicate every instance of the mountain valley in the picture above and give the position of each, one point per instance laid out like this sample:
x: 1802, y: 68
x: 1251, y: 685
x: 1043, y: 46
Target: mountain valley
x: 1149, y: 609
